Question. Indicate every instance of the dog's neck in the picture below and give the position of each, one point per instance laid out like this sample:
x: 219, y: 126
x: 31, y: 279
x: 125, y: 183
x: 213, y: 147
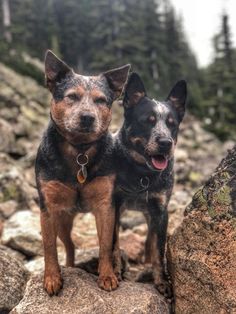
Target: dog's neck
x: 91, y: 149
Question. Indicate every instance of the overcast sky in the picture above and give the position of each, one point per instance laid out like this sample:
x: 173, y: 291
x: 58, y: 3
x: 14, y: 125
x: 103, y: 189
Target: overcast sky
x: 201, y: 20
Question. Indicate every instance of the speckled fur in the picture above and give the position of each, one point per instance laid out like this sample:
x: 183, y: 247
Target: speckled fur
x: 146, y: 121
x: 61, y: 195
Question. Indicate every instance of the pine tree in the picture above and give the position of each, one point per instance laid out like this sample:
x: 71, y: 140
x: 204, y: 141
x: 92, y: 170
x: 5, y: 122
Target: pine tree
x: 219, y: 85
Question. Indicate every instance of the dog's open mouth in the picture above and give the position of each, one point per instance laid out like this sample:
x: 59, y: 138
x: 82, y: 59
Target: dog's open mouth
x: 159, y: 162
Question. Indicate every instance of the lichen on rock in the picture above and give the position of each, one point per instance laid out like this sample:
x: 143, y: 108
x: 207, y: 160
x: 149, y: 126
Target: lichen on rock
x: 202, y: 251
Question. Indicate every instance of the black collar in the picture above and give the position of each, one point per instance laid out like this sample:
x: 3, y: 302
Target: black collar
x: 143, y: 185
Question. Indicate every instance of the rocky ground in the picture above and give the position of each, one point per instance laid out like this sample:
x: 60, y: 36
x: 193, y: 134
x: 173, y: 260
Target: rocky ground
x: 23, y: 116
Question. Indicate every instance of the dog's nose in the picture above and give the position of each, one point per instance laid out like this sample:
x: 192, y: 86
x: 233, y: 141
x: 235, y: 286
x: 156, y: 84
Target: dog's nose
x: 164, y: 144
x: 86, y: 119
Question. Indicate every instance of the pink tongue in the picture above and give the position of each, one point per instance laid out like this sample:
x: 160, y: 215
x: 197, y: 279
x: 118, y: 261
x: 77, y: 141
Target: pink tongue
x: 159, y: 163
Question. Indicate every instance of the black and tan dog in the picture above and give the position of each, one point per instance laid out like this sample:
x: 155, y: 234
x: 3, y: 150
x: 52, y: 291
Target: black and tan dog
x: 144, y: 149
x: 73, y: 170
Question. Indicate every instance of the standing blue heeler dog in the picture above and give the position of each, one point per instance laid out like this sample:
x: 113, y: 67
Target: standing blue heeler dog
x: 144, y: 149
x: 74, y: 172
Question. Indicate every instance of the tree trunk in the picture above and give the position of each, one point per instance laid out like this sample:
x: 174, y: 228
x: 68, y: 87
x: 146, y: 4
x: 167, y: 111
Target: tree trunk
x: 6, y: 20
x: 202, y: 251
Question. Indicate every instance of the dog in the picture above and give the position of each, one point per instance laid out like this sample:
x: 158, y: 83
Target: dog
x: 144, y: 152
x: 73, y: 165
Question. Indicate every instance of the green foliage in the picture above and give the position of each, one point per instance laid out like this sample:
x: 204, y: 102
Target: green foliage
x: 218, y: 87
x: 96, y: 35
x: 93, y: 36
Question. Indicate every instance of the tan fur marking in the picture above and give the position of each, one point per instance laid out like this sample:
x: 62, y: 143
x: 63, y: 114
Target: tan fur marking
x: 101, y: 205
x: 58, y: 196
x: 137, y: 157
x: 56, y: 221
x: 77, y: 90
x: 161, y: 197
x: 95, y: 93
x: 137, y: 141
x: 137, y: 96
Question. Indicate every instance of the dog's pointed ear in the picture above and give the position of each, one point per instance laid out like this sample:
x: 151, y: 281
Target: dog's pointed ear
x: 134, y: 91
x: 117, y: 78
x: 55, y: 70
x: 177, y: 98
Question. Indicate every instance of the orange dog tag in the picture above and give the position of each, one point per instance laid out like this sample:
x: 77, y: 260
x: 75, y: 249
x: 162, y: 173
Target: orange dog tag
x: 82, y: 175
x: 82, y: 160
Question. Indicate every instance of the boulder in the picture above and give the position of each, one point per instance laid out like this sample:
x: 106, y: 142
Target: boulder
x: 7, y: 139
x: 13, y: 278
x: 202, y: 251
x: 8, y: 208
x: 23, y: 112
x: 81, y: 294
x: 133, y: 245
x: 22, y: 232
x: 13, y: 253
x: 13, y: 186
x: 131, y: 219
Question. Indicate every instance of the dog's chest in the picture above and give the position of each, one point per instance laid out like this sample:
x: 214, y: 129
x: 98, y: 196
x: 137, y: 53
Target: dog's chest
x: 138, y: 203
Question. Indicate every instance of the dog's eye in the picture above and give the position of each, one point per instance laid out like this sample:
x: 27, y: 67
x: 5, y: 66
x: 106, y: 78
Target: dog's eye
x: 100, y: 100
x: 170, y: 121
x: 152, y: 119
x: 73, y: 97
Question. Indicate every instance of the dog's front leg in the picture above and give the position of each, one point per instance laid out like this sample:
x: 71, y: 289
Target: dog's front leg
x: 116, y: 247
x: 105, y: 221
x: 98, y: 194
x: 52, y: 276
x: 57, y: 198
x: 157, y: 230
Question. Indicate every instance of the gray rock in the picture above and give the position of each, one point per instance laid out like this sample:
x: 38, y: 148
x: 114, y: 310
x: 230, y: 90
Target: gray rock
x: 202, y: 251
x: 13, y: 253
x: 13, y: 185
x: 8, y: 208
x: 131, y: 219
x: 13, y: 278
x: 22, y: 232
x: 81, y: 294
x: 133, y: 245
x: 7, y: 138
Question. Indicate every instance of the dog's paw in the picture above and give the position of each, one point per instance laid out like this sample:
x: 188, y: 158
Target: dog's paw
x: 108, y: 282
x: 53, y: 284
x: 164, y: 287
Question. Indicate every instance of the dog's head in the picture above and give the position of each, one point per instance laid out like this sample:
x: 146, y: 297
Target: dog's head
x: 151, y: 127
x: 81, y: 105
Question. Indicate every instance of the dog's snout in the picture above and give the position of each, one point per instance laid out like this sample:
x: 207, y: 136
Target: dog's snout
x: 87, y: 119
x: 164, y: 144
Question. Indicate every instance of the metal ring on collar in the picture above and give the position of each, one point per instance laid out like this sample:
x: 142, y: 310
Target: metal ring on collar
x: 144, y: 182
x: 82, y: 159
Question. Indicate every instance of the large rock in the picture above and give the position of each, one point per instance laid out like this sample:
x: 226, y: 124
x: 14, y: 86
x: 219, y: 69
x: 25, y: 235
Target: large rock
x: 13, y: 253
x: 13, y: 278
x: 7, y: 139
x: 13, y: 184
x: 202, y: 251
x: 81, y: 294
x: 8, y: 208
x: 133, y: 245
x: 22, y: 232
